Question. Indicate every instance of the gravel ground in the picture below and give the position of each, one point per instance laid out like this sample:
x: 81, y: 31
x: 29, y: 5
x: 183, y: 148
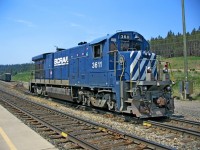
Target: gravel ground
x: 189, y: 109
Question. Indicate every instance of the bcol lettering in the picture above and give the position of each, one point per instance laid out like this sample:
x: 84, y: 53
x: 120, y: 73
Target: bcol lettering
x: 61, y: 61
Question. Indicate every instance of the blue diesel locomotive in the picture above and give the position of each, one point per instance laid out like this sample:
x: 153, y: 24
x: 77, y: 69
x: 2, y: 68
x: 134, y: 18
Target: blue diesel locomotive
x: 117, y: 72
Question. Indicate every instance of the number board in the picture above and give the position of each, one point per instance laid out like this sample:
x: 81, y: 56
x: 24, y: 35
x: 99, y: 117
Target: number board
x: 124, y: 36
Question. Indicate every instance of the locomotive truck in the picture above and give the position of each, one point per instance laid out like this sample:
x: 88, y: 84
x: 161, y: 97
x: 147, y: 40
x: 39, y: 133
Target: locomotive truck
x: 117, y: 72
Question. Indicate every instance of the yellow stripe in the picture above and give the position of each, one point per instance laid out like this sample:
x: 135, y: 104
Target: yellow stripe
x: 8, y: 141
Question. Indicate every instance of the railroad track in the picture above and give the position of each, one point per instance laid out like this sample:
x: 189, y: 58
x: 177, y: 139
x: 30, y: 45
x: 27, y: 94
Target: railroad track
x: 175, y: 136
x: 185, y: 132
x: 69, y: 132
x: 188, y: 126
x: 175, y: 125
x: 181, y: 126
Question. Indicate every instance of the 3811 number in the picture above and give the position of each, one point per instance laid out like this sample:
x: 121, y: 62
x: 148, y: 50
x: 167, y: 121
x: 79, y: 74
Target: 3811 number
x: 97, y: 64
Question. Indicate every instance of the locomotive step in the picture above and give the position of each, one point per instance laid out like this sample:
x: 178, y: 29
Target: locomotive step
x: 129, y: 100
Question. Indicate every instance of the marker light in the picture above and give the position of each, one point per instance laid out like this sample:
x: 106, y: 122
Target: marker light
x: 144, y: 88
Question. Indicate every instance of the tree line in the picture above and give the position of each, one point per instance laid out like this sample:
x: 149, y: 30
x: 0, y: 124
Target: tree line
x: 172, y: 44
x: 17, y: 68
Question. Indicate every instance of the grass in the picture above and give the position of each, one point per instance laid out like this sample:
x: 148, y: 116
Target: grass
x: 177, y: 64
x: 193, y: 76
x: 23, y: 76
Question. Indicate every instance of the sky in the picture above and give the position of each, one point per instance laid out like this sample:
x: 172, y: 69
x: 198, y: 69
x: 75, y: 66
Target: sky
x: 32, y: 27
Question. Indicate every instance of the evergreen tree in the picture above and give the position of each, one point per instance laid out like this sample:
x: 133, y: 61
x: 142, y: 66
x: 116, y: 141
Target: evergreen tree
x: 172, y: 44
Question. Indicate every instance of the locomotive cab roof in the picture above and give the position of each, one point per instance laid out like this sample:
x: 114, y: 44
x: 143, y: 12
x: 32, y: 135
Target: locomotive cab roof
x: 39, y: 57
x: 116, y: 37
x: 125, y: 36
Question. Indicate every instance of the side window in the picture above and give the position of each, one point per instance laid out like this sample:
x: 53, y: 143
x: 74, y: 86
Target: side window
x: 97, y: 50
x: 113, y: 47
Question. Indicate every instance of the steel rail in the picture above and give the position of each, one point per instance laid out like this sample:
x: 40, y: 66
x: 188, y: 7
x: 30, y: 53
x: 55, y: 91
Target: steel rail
x: 185, y: 121
x: 174, y: 128
x: 59, y: 131
x: 150, y: 144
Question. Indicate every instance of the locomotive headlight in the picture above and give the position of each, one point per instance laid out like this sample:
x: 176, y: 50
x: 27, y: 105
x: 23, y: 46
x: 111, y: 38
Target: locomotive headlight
x: 168, y: 88
x: 148, y: 69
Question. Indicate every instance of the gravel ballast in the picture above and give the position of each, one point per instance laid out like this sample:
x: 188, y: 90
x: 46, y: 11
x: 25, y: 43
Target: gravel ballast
x: 189, y: 109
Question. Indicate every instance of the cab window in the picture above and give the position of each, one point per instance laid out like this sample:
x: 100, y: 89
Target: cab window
x: 97, y: 50
x: 130, y: 45
x: 124, y: 45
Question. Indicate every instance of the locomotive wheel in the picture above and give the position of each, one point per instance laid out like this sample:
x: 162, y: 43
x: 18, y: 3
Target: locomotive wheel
x: 79, y: 100
x: 39, y: 90
x: 111, y: 105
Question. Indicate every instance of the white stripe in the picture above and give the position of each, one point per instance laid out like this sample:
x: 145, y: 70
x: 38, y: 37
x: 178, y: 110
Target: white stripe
x: 144, y: 74
x: 141, y: 66
x: 131, y: 53
x: 154, y: 67
x: 132, y: 66
x: 148, y: 65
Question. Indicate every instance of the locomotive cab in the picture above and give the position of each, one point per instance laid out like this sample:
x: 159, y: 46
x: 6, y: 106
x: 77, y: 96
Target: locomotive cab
x: 144, y: 91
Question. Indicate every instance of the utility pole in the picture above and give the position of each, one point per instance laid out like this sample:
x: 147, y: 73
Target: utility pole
x: 184, y: 43
x: 186, y: 85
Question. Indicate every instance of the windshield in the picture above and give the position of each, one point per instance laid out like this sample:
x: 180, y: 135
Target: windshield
x: 130, y: 45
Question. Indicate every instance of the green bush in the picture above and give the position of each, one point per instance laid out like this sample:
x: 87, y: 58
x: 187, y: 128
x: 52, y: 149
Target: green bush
x: 23, y: 76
